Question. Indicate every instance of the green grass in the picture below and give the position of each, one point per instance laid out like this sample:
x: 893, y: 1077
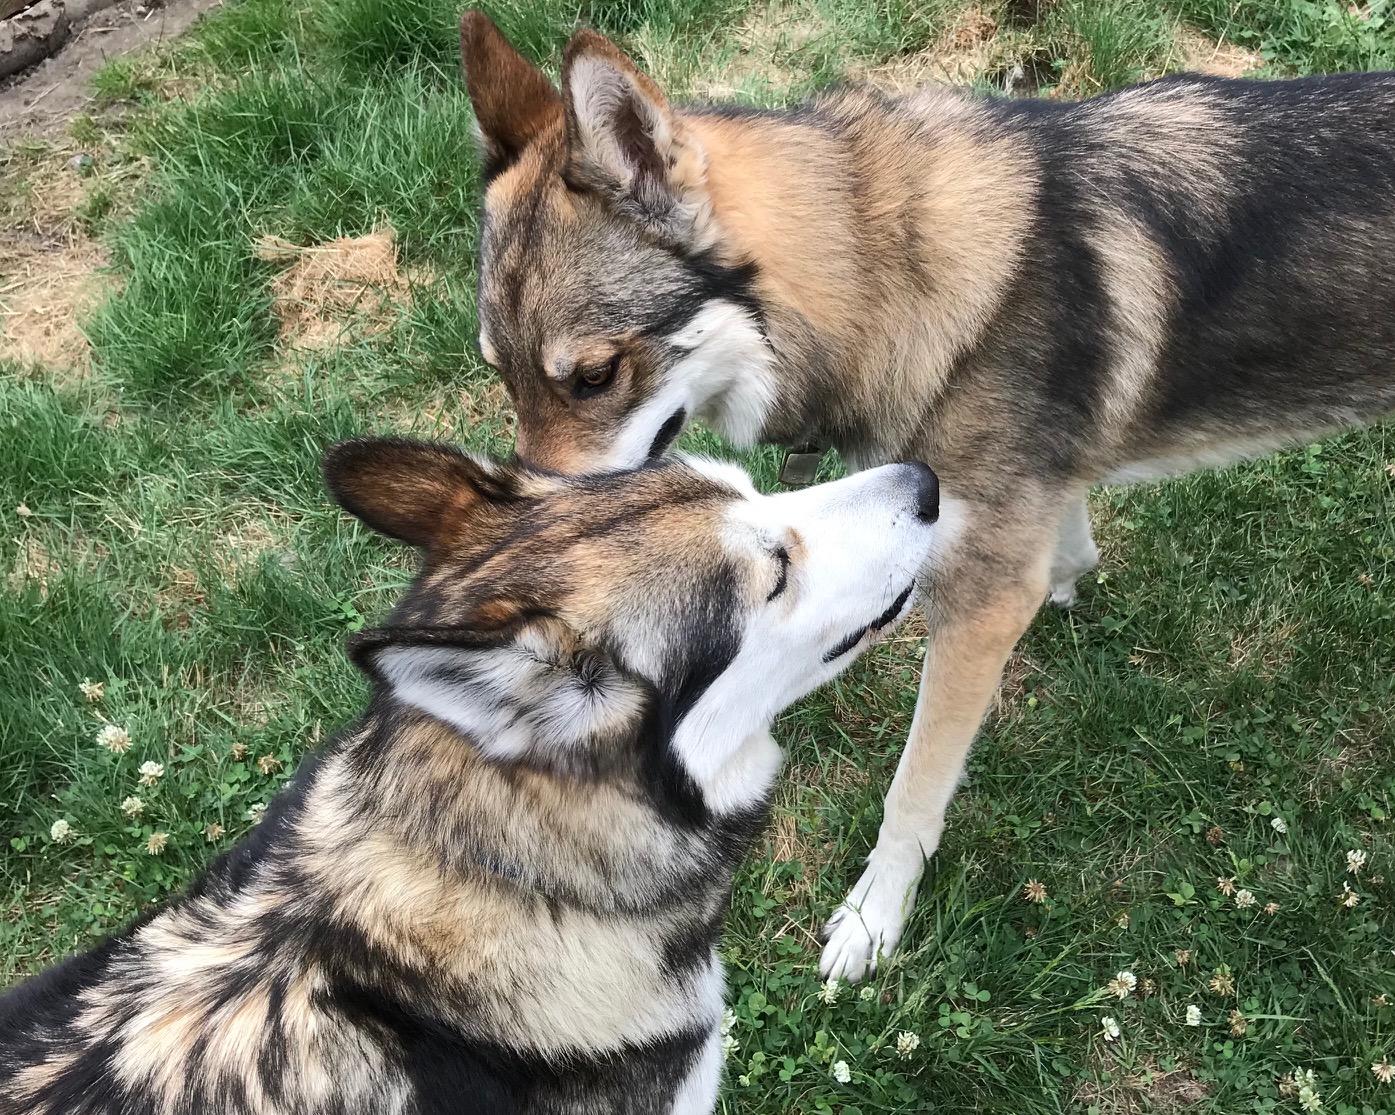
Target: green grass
x: 1233, y: 661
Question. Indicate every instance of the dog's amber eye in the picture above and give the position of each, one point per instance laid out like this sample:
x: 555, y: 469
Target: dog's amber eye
x: 594, y: 380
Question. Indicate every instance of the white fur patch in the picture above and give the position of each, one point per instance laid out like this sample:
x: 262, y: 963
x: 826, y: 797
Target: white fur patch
x: 724, y: 375
x: 697, y: 1095
x: 869, y: 922
x: 727, y: 472
x: 745, y: 778
x: 487, y: 349
x: 855, y: 546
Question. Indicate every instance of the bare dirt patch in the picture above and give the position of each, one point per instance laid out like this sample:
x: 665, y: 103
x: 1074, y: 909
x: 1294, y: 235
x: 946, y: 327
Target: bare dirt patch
x: 1202, y: 55
x: 342, y: 290
x: 47, y: 95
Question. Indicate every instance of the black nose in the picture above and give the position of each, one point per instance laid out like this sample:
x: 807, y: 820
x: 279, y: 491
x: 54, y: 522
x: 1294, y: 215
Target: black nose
x: 927, y: 492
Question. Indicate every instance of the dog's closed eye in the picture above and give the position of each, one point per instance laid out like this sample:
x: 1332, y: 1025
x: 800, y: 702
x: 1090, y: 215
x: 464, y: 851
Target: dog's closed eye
x: 782, y: 556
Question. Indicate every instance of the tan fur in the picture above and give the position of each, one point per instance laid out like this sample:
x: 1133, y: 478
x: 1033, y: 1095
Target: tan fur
x: 779, y: 198
x: 1138, y: 281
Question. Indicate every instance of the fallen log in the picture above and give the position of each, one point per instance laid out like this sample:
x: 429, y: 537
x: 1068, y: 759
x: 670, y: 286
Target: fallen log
x: 32, y: 35
x: 9, y: 7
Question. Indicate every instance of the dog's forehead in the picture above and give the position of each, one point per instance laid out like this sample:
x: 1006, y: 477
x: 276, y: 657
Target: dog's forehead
x: 589, y: 533
x: 557, y: 265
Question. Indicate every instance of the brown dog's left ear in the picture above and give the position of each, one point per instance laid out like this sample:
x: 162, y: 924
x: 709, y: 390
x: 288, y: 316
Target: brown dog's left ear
x: 418, y: 492
x: 514, y: 102
x: 624, y: 141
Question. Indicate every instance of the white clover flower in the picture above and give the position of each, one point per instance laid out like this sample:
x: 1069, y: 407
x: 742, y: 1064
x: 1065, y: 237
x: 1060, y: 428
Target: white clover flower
x: 729, y: 1045
x: 92, y: 690
x: 61, y: 832
x: 256, y: 813
x: 114, y: 738
x: 1110, y: 1028
x: 133, y: 807
x: 1244, y: 899
x: 1193, y: 1015
x: 868, y: 993
x: 1122, y: 984
x: 1308, y: 1094
x: 151, y: 772
x: 841, y: 1072
x: 828, y: 993
x: 1279, y: 825
x: 1383, y: 1070
x: 1348, y: 897
x: 157, y: 843
x: 906, y: 1043
x: 728, y: 1023
x: 1356, y: 860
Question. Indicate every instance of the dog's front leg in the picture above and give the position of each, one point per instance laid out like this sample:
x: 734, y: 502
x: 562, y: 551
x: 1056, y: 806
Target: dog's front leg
x: 982, y: 595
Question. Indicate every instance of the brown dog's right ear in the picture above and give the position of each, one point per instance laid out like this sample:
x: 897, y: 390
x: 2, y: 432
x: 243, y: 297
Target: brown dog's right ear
x: 513, y: 99
x: 418, y: 492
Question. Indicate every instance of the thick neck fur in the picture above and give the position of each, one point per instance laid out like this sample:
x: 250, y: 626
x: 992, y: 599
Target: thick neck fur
x: 401, y: 880
x: 884, y: 233
x: 619, y: 841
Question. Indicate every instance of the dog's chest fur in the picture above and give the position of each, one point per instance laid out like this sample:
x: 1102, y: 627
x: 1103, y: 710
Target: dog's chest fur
x: 408, y: 927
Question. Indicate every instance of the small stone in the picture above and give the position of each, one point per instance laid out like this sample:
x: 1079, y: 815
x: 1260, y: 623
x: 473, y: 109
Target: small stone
x: 82, y: 164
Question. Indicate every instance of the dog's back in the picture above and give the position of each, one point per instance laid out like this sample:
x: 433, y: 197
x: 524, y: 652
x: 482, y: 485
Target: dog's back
x: 1242, y: 234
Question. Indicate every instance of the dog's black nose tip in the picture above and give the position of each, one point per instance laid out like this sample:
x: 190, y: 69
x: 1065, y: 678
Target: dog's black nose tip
x: 927, y: 492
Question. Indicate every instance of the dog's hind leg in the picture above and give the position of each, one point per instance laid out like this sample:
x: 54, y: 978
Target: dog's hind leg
x: 982, y: 595
x: 1076, y: 553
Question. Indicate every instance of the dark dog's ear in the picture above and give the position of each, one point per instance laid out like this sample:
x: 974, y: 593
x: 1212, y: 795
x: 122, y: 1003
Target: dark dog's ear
x: 624, y: 141
x: 415, y: 491
x: 536, y: 694
x: 513, y: 99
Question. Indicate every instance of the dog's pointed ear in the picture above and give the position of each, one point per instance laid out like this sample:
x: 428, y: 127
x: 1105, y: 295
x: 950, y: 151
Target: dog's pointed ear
x: 418, y: 492
x: 513, y: 100
x: 625, y: 142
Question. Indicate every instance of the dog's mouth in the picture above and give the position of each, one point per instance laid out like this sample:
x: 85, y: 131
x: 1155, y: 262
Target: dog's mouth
x: 898, y: 608
x: 667, y: 432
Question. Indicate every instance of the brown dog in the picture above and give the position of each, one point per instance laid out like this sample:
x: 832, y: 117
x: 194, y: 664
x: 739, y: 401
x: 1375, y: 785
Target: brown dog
x: 1034, y: 297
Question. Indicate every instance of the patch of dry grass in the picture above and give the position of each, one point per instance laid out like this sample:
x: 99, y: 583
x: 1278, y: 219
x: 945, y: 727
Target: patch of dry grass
x: 345, y: 289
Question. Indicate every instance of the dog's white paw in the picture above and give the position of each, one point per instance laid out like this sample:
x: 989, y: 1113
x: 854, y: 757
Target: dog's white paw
x: 1064, y: 595
x: 867, y: 927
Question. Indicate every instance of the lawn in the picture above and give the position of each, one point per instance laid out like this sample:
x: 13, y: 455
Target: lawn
x: 1195, y: 765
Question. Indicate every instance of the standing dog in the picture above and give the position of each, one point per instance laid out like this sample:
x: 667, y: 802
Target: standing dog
x: 501, y: 889
x: 1035, y: 297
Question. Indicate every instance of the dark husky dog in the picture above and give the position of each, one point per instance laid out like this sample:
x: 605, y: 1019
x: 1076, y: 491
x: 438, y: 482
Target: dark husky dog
x: 1034, y: 297
x: 501, y: 889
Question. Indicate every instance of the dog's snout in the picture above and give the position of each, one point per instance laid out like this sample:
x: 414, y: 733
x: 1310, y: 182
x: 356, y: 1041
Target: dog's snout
x: 927, y: 492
